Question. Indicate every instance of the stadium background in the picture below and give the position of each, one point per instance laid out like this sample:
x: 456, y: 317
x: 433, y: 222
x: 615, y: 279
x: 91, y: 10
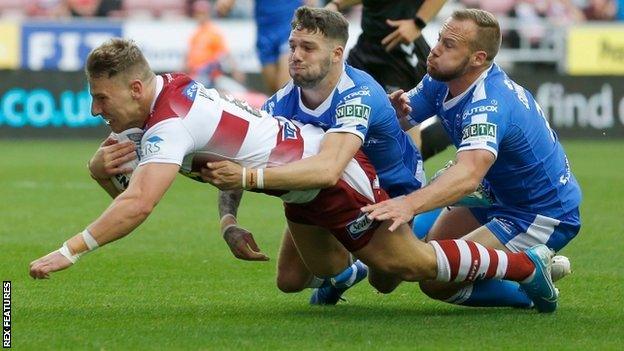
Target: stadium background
x: 173, y: 284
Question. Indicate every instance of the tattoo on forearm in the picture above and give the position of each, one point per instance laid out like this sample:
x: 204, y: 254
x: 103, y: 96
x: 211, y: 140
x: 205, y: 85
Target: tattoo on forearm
x: 229, y: 200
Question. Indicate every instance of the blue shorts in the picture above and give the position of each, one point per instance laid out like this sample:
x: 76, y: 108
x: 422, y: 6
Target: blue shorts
x: 272, y: 42
x: 519, y: 231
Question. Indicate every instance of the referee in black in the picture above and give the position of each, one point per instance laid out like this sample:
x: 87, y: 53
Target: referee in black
x: 393, y: 51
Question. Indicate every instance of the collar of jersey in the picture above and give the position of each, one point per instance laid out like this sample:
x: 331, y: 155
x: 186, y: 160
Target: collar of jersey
x: 344, y: 83
x: 159, y: 86
x: 447, y: 105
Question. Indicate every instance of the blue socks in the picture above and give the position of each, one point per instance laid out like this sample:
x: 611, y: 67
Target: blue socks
x: 492, y: 293
x: 423, y: 222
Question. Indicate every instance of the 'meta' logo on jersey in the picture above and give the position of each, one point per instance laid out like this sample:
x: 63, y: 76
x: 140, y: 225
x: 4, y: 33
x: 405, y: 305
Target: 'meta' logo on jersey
x: 353, y: 110
x: 357, y: 227
x: 478, y: 130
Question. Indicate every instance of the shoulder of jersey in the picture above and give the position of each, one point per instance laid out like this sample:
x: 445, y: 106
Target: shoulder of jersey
x: 175, y: 98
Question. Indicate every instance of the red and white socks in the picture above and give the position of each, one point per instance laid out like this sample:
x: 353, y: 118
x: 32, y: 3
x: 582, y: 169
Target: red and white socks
x: 462, y: 260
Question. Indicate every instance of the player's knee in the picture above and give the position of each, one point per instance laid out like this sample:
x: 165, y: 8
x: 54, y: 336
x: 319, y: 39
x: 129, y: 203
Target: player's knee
x: 385, y: 285
x: 412, y: 268
x: 404, y: 270
x: 435, y: 290
x: 290, y: 283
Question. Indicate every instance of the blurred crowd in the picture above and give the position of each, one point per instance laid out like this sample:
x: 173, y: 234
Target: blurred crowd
x: 559, y: 11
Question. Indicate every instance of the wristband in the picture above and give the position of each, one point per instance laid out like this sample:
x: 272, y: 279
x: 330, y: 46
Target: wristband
x: 251, y: 182
x: 244, y: 181
x: 419, y: 22
x: 260, y: 180
x: 92, y: 244
x: 64, y: 250
x: 225, y: 219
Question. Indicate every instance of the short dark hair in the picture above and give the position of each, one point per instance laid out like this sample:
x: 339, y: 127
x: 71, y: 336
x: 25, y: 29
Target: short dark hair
x: 331, y: 24
x: 488, y: 36
x: 117, y: 56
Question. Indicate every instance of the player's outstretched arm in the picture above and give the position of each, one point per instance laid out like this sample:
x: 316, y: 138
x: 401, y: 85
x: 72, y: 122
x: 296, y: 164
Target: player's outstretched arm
x: 240, y: 241
x: 319, y: 171
x: 456, y: 182
x: 109, y: 160
x: 126, y: 212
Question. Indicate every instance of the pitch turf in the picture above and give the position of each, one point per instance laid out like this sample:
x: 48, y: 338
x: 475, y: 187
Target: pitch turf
x: 173, y: 284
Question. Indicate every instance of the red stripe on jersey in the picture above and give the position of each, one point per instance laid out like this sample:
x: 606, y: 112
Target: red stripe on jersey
x: 475, y: 261
x: 491, y: 271
x: 287, y: 148
x: 173, y: 101
x: 228, y: 138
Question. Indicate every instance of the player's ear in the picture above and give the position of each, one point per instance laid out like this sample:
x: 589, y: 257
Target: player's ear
x: 479, y: 58
x: 337, y: 53
x: 136, y: 89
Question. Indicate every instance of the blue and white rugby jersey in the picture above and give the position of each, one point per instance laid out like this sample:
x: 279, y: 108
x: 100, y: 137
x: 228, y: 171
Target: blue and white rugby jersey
x: 360, y: 106
x: 531, y: 172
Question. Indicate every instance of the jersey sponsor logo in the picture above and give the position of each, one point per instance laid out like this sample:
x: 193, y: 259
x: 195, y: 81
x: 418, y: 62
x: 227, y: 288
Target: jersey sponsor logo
x: 359, y: 111
x: 289, y: 132
x: 415, y: 90
x: 270, y: 107
x: 480, y: 109
x: 565, y: 178
x: 152, y: 145
x: 190, y: 91
x: 480, y: 131
x: 505, y: 225
x: 363, y: 92
x: 521, y: 94
x: 123, y: 179
x: 357, y: 227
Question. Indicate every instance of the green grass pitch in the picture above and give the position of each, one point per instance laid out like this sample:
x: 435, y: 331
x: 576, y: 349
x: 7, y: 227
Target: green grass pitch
x: 173, y: 284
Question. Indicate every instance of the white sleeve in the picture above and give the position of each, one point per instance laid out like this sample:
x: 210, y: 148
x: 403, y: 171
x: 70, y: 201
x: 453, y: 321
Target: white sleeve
x: 166, y: 142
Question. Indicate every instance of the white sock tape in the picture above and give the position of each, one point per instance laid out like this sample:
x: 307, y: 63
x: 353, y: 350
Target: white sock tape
x: 92, y: 244
x: 260, y: 179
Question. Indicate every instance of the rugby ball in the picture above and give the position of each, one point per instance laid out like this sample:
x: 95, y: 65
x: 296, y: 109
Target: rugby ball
x: 121, y: 181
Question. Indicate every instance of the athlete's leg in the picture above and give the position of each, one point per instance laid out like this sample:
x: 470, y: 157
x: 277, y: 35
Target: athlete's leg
x: 321, y: 253
x: 396, y: 256
x: 292, y: 273
x: 269, y: 75
x: 282, y: 76
x: 491, y: 293
x: 401, y: 254
x: 453, y: 223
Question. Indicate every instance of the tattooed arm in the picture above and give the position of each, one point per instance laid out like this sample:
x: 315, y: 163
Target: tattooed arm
x: 240, y: 240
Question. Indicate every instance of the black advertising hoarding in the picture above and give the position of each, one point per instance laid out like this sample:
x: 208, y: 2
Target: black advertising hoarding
x: 582, y: 106
x: 46, y: 104
x: 57, y: 104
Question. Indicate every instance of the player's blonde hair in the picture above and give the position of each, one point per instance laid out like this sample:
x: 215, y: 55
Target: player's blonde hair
x: 488, y: 36
x: 331, y: 24
x: 117, y: 56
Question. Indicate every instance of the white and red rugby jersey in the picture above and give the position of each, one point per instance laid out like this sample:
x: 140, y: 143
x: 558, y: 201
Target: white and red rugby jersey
x: 190, y: 125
